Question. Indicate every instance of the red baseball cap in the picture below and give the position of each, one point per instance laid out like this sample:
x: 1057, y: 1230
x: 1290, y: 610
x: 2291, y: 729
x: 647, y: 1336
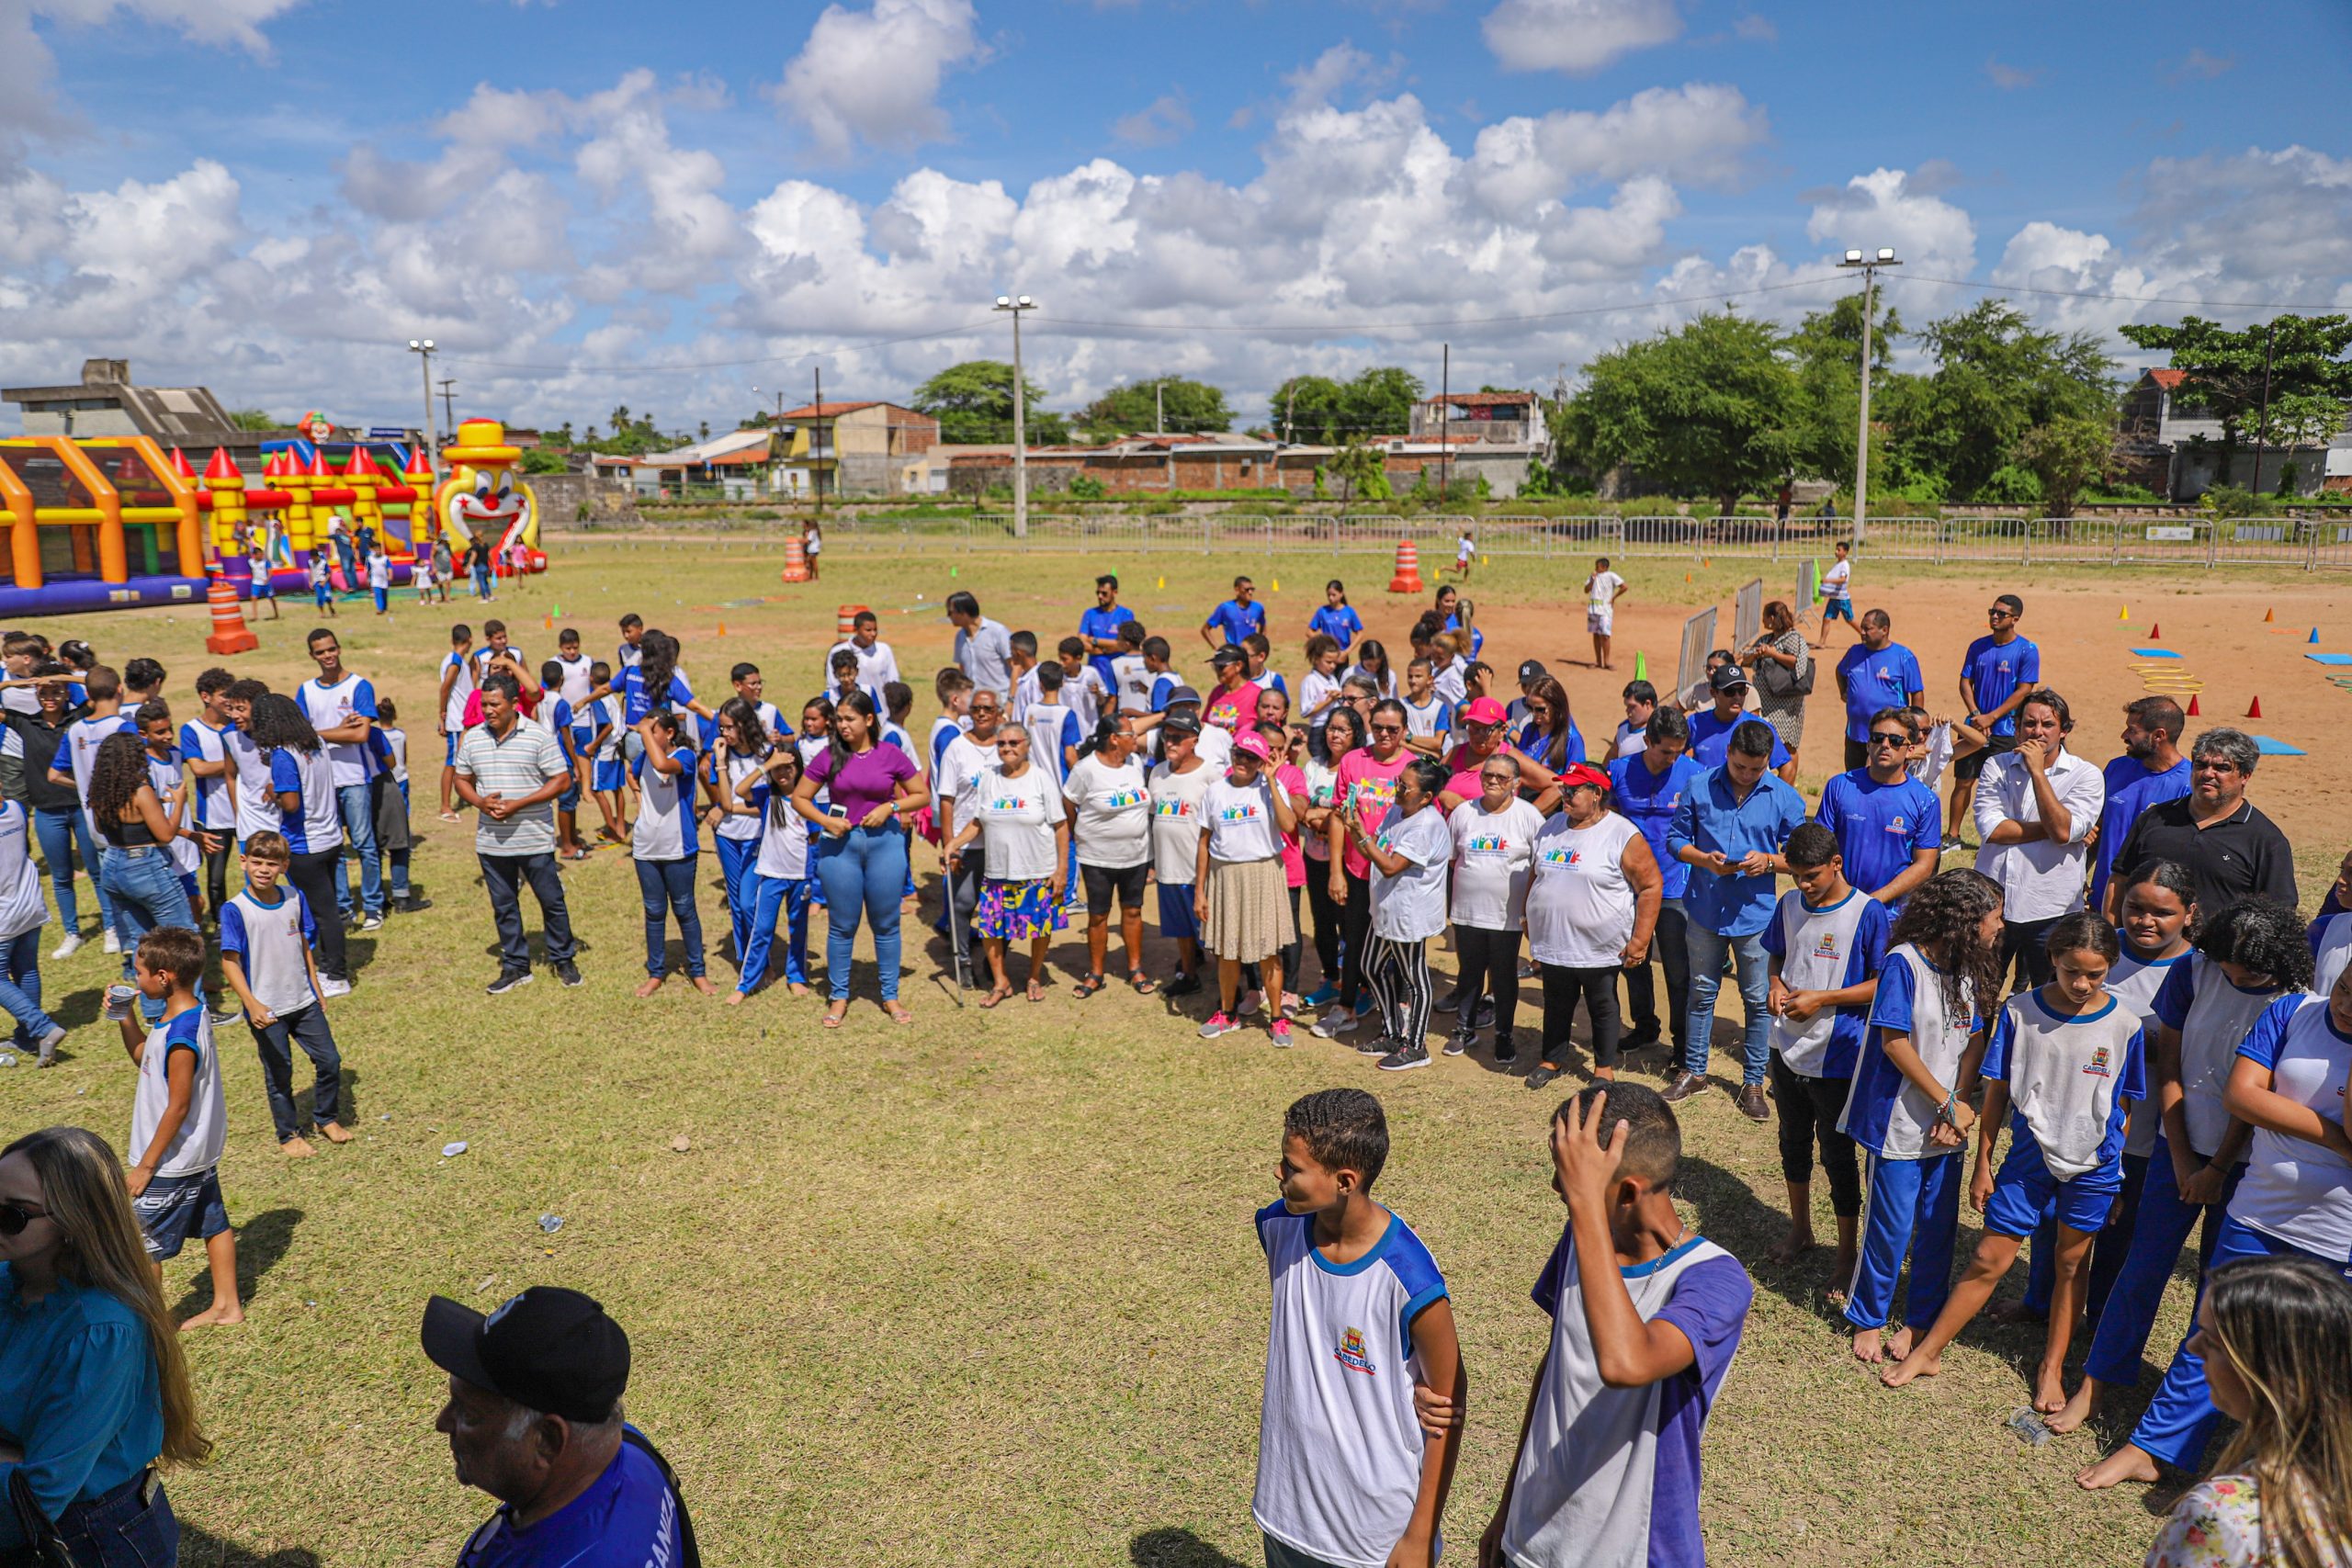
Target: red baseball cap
x: 1486, y: 710
x: 1583, y: 773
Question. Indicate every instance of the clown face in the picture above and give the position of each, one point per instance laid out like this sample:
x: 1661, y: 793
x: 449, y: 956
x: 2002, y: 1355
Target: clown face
x: 483, y: 503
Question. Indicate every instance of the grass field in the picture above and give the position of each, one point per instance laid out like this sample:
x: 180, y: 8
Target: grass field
x: 984, y: 1291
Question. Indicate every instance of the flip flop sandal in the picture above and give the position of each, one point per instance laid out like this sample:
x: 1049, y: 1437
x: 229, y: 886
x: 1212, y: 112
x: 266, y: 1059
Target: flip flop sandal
x: 1143, y: 983
x: 1088, y: 985
x: 993, y: 998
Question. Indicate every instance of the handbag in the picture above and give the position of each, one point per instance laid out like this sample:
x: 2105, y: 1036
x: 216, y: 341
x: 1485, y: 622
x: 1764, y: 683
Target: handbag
x: 43, y: 1545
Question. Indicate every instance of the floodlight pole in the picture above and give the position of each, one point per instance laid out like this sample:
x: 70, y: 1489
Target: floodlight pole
x: 1870, y: 265
x: 423, y: 349
x: 1020, y: 417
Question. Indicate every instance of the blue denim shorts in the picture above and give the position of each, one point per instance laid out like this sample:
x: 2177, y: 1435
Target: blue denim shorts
x: 175, y: 1206
x: 131, y: 1526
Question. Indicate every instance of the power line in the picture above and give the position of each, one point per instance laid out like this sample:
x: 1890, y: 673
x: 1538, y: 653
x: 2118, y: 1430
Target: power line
x: 1341, y: 328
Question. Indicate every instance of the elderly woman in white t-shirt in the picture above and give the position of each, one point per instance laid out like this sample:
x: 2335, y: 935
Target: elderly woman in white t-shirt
x: 1493, y: 846
x: 1409, y: 855
x: 1110, y: 802
x: 1015, y: 810
x: 1241, y: 896
x: 1591, y: 908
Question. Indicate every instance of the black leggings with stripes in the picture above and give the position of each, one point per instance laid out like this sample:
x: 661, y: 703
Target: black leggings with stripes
x: 1399, y: 974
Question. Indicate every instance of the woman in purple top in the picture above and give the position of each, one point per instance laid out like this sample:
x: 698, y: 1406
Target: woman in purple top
x: 862, y: 852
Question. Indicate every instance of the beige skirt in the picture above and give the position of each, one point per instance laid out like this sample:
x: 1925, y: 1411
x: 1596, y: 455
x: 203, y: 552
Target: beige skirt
x: 1249, y: 910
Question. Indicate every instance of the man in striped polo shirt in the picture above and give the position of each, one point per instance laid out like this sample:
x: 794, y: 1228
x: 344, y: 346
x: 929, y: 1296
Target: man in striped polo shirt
x: 510, y: 772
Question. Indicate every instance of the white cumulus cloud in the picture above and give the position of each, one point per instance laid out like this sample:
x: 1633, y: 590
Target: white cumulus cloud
x: 1577, y: 36
x: 873, y: 75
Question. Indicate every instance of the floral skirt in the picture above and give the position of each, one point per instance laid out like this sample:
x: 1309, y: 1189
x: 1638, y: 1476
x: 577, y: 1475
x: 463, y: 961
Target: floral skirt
x: 1016, y: 911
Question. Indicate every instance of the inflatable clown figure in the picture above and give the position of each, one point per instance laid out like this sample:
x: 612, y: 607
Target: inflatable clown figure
x: 482, y: 498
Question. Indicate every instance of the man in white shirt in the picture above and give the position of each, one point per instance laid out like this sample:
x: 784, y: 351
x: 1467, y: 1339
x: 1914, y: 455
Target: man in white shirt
x: 2035, y: 808
x: 983, y: 647
x: 342, y: 707
x: 876, y: 665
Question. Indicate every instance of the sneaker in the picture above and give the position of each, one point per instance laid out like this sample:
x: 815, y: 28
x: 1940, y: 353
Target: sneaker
x: 225, y: 1016
x: 1752, y: 1104
x: 1685, y: 1085
x: 48, y: 1043
x: 1183, y: 986
x: 1451, y: 1001
x: 1641, y: 1039
x: 1321, y: 997
x: 331, y: 986
x: 1332, y: 1024
x: 508, y: 979
x: 1506, y: 1048
x: 1250, y: 1002
x: 1485, y: 1016
x: 1543, y: 1074
x: 1379, y: 1045
x: 1281, y: 1031
x: 1363, y: 1004
x: 69, y: 947
x: 1219, y: 1022
x: 1404, y: 1058
x: 1459, y: 1042
x: 413, y: 905
x: 113, y: 942
x: 372, y: 924
x: 569, y: 972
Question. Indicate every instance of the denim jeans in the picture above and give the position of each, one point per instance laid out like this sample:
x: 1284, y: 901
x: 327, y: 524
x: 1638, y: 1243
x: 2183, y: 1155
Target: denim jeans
x: 357, y: 803
x: 864, y: 866
x: 20, y: 988
x: 503, y: 875
x: 60, y: 833
x: 125, y: 1528
x: 146, y: 889
x: 1707, y: 952
x: 668, y: 885
x: 735, y: 860
x: 306, y: 1027
x: 777, y: 901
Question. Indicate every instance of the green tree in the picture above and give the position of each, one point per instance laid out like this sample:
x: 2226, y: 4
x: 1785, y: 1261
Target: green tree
x: 1361, y: 472
x: 563, y: 436
x: 1995, y: 378
x: 2300, y: 358
x: 1185, y: 405
x: 253, y: 419
x: 973, y: 402
x: 1379, y: 400
x: 541, y: 460
x: 2069, y: 454
x: 1826, y: 352
x: 1703, y: 410
x: 1312, y: 409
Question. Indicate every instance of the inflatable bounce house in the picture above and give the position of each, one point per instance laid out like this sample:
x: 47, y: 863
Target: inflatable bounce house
x: 106, y: 523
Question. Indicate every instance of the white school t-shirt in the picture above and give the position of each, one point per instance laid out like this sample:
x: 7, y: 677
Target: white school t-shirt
x: 1133, y: 681
x: 1410, y: 905
x: 196, y: 1147
x: 1240, y: 819
x: 2069, y: 1078
x: 2295, y: 1190
x: 1176, y: 822
x: 272, y: 942
x: 21, y: 909
x: 1579, y: 903
x: 783, y: 838
x: 256, y: 805
x: 1824, y: 950
x: 331, y: 708
x: 200, y: 741
x: 2134, y: 983
x: 1313, y: 688
x: 1339, y: 1447
x: 2330, y: 951
x: 453, y: 712
x: 1016, y: 818
x: 1494, y: 853
x: 1601, y: 595
x: 1886, y: 1114
x: 1113, y: 812
x: 2212, y: 1015
x: 1429, y: 718
x: 741, y: 827
x: 576, y: 681
x: 665, y: 829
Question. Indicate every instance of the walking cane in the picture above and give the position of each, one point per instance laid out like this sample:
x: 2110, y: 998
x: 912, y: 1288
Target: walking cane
x: 955, y: 928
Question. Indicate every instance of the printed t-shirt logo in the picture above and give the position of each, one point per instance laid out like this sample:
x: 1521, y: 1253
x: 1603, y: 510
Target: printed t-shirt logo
x: 1172, y: 806
x: 2097, y: 1066
x: 1897, y: 824
x: 1563, y: 857
x: 1826, y: 946
x: 1008, y: 803
x: 1243, y: 811
x: 1119, y: 799
x: 1353, y: 1355
x: 1488, y: 844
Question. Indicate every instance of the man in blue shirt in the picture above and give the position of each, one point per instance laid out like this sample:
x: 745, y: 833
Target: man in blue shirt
x: 1647, y: 787
x: 1236, y: 617
x: 1730, y: 827
x: 534, y: 1419
x: 1877, y: 672
x: 1099, y: 627
x: 1711, y: 728
x: 1889, y: 832
x: 2151, y: 769
x: 1999, y: 672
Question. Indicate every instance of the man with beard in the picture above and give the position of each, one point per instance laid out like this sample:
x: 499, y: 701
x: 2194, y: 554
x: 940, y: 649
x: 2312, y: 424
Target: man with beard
x: 2151, y: 769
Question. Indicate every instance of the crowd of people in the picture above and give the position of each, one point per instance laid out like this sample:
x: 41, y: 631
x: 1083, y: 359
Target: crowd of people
x: 2120, y: 986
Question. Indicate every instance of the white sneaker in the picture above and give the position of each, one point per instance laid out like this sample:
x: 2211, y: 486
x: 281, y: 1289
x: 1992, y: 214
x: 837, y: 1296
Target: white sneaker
x: 1337, y: 1022
x: 372, y: 924
x: 69, y: 947
x: 331, y: 987
x: 113, y: 942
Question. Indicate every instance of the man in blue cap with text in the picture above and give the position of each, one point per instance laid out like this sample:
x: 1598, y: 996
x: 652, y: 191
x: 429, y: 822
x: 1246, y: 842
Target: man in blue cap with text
x: 533, y: 1418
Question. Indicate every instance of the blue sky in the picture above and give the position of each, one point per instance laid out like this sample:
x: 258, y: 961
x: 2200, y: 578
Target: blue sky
x: 587, y: 202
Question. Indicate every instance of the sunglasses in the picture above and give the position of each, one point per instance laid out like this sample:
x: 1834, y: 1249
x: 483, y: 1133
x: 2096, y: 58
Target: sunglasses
x: 1890, y: 737
x: 1997, y: 614
x: 15, y: 1217
x: 1388, y: 729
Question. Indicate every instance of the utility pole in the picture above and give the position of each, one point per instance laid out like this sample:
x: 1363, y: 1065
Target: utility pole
x: 2262, y: 431
x: 1020, y: 417
x: 1158, y: 407
x: 1445, y: 418
x: 1869, y: 266
x: 1290, y: 407
x: 423, y: 349
x: 816, y: 474
x: 448, y: 418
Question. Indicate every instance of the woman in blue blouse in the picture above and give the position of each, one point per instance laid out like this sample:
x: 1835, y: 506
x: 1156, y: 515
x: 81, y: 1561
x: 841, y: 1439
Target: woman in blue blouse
x: 94, y: 1392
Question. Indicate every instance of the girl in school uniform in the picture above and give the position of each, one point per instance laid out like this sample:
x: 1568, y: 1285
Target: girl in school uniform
x: 740, y: 753
x: 1909, y: 1113
x: 1336, y: 619
x: 1372, y: 663
x: 779, y: 875
x: 2065, y: 1063
x: 664, y: 848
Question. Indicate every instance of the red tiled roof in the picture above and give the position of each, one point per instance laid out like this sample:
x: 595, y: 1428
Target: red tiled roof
x: 2168, y: 379
x: 828, y: 410
x: 1484, y: 399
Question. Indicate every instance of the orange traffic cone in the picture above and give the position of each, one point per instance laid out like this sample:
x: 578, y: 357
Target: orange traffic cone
x: 2192, y: 705
x: 230, y: 633
x: 2255, y: 709
x: 546, y: 623
x: 2270, y: 616
x: 722, y: 628
x: 1409, y: 568
x: 796, y: 560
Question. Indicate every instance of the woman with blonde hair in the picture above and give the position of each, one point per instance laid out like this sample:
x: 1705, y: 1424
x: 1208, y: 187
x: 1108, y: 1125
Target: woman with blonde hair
x: 94, y: 1392
x: 2276, y: 1336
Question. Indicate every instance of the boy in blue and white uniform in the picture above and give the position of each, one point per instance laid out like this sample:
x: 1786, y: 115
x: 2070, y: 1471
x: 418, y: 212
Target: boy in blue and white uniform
x: 1607, y: 1469
x: 2063, y: 1067
x: 1826, y: 943
x: 22, y: 915
x: 204, y: 755
x: 266, y: 935
x: 1084, y: 692
x: 2331, y: 930
x: 178, y: 1117
x: 1346, y: 1475
x: 608, y: 776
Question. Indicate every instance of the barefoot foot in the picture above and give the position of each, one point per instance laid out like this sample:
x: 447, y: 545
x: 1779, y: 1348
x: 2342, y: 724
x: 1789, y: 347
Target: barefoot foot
x: 1869, y: 1346
x: 297, y: 1147
x: 702, y: 983
x: 2126, y: 1463
x: 735, y: 998
x: 215, y: 1317
x: 2050, y: 1393
x: 334, y: 1132
x: 1792, y: 1246
x: 1910, y: 1369
x: 652, y: 984
x: 1899, y: 1347
x: 2077, y: 1410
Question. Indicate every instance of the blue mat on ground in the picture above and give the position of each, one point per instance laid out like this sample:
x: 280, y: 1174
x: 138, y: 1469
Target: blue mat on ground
x: 2329, y: 658
x: 2269, y: 747
x: 2156, y: 654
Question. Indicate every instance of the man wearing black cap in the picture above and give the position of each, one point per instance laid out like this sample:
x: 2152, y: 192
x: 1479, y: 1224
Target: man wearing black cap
x: 533, y: 1418
x: 1216, y: 744
x: 1711, y: 728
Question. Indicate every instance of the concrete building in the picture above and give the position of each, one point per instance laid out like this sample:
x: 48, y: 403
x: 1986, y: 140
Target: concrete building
x: 1512, y: 419
x: 104, y: 402
x: 741, y: 465
x: 855, y: 448
x: 2169, y: 447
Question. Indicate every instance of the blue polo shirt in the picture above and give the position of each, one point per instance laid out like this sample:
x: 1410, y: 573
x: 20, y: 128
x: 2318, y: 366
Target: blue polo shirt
x: 1237, y: 620
x: 1095, y: 621
x: 1711, y: 737
x: 1649, y: 800
x: 1712, y: 816
x: 1880, y: 827
x: 1874, y: 681
x: 2130, y: 789
x: 627, y: 1517
x: 1341, y: 625
x: 1995, y: 670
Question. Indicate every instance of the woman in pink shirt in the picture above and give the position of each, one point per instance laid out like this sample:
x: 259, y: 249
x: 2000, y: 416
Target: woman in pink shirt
x: 1367, y: 781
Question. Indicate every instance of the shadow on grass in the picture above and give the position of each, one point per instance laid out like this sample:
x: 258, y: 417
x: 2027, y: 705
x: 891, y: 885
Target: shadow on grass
x: 261, y: 1242
x: 202, y: 1549
x: 1171, y: 1548
x: 1733, y: 1217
